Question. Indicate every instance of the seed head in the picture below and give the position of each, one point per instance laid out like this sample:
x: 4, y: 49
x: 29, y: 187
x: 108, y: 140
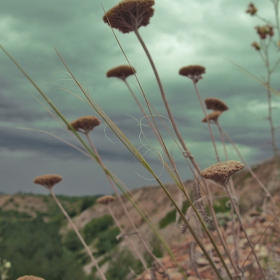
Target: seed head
x: 121, y: 72
x: 47, y: 180
x: 212, y: 116
x: 265, y: 30
x: 129, y: 15
x: 222, y: 171
x: 193, y: 72
x: 105, y: 199
x: 256, y: 46
x: 252, y: 10
x: 215, y: 104
x: 29, y: 277
x: 85, y: 124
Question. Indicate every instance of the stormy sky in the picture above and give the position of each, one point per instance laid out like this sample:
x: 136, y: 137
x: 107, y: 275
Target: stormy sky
x: 180, y: 33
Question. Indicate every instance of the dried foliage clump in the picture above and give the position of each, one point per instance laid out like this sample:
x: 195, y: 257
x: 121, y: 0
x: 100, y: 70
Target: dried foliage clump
x: 193, y: 72
x: 29, y: 277
x: 48, y: 180
x: 121, y: 72
x: 105, y: 199
x: 222, y: 171
x: 85, y: 124
x: 215, y: 104
x: 256, y: 46
x: 252, y: 10
x: 264, y: 31
x: 212, y: 116
x: 129, y: 15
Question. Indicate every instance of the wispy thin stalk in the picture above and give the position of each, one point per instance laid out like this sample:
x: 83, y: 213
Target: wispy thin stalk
x: 78, y: 234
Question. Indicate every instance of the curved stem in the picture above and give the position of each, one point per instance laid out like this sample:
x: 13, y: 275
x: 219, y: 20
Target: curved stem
x: 208, y: 122
x: 123, y: 206
x: 244, y: 230
x: 78, y: 234
x: 132, y: 246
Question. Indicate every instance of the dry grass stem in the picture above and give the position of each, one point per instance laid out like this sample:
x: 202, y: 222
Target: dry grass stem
x: 49, y: 181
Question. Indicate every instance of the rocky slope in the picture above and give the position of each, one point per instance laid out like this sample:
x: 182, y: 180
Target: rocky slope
x: 158, y: 206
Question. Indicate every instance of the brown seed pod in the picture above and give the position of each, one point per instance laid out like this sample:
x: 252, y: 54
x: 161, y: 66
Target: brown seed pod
x: 105, y: 199
x: 212, y: 116
x: 47, y: 180
x: 215, y: 104
x: 222, y: 171
x: 129, y: 15
x: 85, y: 124
x: 252, y: 10
x: 256, y: 46
x: 193, y: 72
x: 121, y: 72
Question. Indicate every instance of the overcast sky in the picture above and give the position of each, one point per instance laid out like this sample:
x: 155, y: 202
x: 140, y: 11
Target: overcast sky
x: 180, y: 33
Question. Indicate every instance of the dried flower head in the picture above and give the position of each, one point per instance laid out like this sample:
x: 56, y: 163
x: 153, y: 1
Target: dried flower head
x: 129, y: 15
x: 265, y: 30
x: 29, y: 277
x: 105, y: 199
x: 215, y: 104
x: 193, y: 72
x: 256, y: 46
x: 85, y: 124
x: 212, y: 116
x: 121, y: 72
x: 47, y: 180
x: 222, y: 171
x: 252, y: 10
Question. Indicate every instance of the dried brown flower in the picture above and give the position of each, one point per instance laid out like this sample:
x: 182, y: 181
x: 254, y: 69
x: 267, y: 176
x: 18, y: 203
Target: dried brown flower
x: 85, y: 124
x: 129, y: 15
x: 47, y: 180
x: 121, y: 72
x: 256, y: 46
x: 193, y: 72
x: 212, y: 116
x: 265, y: 30
x: 215, y: 104
x: 222, y: 171
x: 105, y: 199
x: 252, y: 10
x: 29, y: 277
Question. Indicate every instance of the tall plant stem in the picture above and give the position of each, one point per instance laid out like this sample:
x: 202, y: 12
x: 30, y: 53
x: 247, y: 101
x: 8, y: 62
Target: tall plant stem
x: 268, y: 194
x: 180, y: 138
x: 269, y: 71
x: 208, y: 122
x: 161, y: 90
x: 132, y: 246
x: 123, y: 206
x: 149, y: 121
x: 78, y: 234
x: 243, y: 228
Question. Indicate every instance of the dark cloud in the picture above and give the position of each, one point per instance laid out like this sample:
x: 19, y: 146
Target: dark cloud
x: 205, y: 33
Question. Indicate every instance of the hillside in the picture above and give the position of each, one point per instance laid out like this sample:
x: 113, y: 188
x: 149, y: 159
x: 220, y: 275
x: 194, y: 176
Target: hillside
x: 87, y: 215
